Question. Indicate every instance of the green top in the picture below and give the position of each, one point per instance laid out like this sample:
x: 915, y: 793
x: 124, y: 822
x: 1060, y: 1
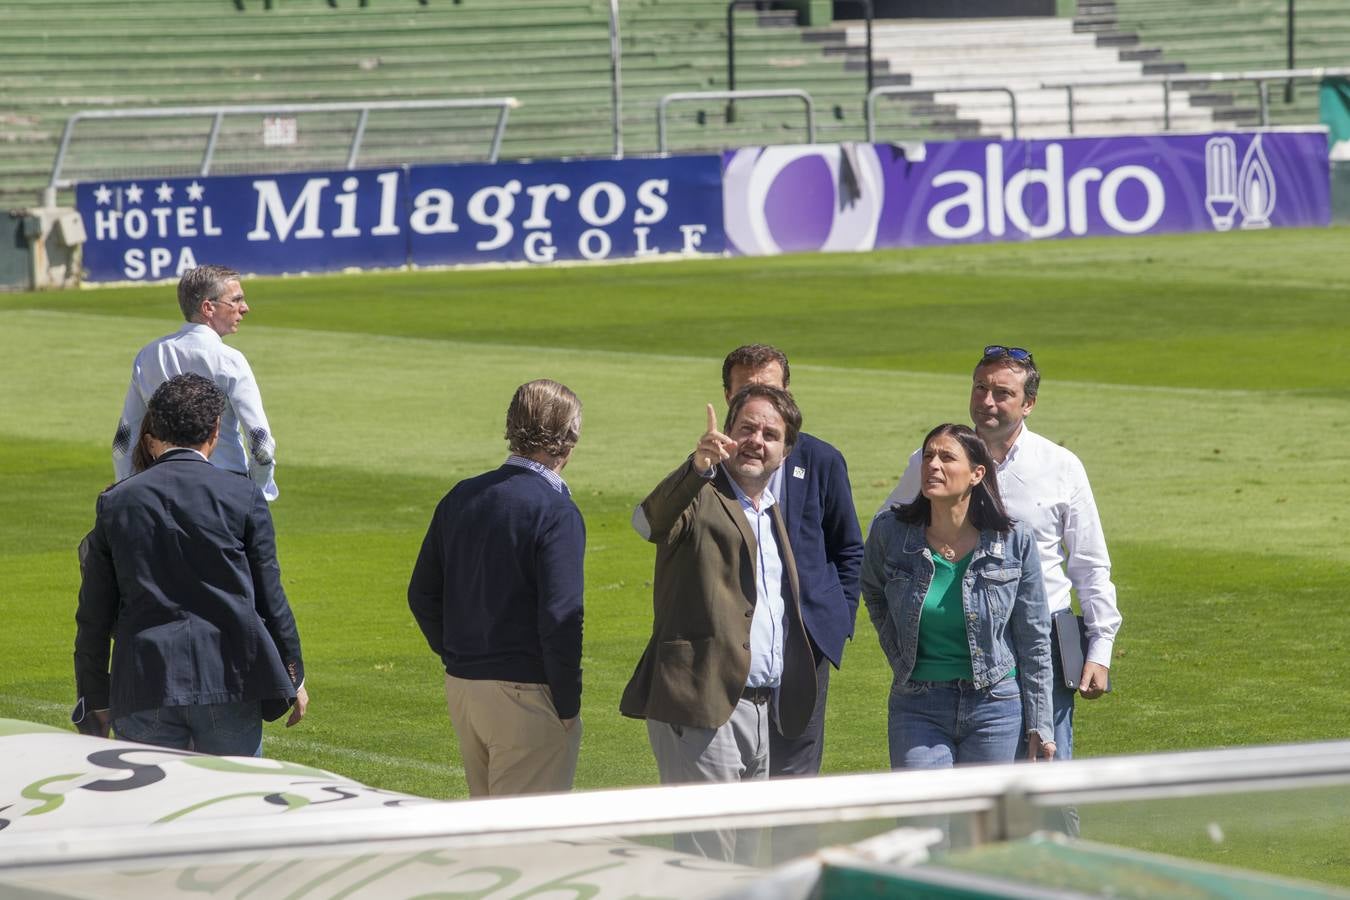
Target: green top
x: 943, y: 651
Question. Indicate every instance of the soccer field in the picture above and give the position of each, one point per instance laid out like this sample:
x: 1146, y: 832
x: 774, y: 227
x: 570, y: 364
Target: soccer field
x: 1203, y: 380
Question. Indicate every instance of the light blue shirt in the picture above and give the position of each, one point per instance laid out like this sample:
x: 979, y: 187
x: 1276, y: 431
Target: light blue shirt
x: 766, y: 627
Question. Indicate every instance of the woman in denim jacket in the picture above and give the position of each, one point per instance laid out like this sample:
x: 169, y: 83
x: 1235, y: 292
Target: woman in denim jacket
x: 953, y: 587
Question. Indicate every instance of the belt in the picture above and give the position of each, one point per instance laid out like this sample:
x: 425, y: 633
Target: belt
x: 757, y: 695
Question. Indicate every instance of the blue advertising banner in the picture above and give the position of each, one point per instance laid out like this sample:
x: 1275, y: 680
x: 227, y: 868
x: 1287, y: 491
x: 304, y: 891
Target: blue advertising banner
x: 863, y: 196
x: 264, y: 224
x: 382, y: 218
x: 546, y: 211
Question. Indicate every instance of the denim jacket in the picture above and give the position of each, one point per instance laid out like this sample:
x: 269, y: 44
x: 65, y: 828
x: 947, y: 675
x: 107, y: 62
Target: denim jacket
x: 1007, y: 616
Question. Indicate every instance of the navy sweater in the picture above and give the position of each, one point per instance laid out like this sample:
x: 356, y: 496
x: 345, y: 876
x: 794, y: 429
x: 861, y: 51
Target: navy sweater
x: 497, y: 588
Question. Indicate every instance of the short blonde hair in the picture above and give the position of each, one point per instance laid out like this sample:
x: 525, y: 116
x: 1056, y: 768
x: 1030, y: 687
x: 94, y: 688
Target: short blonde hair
x: 544, y: 416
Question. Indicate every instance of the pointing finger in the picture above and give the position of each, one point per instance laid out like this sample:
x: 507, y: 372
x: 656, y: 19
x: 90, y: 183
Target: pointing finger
x: 712, y: 418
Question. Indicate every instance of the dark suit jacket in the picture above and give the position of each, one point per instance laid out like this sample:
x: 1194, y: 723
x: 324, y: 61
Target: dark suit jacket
x: 695, y: 666
x: 181, y: 573
x: 826, y: 540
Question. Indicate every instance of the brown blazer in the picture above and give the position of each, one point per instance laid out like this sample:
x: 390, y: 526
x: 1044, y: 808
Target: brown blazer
x: 703, y: 598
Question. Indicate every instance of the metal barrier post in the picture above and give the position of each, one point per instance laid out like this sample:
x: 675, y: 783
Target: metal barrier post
x: 1263, y: 90
x: 209, y: 153
x: 867, y: 16
x: 615, y: 78
x: 1167, y: 103
x: 1068, y: 89
x: 358, y: 136
x: 1289, y: 57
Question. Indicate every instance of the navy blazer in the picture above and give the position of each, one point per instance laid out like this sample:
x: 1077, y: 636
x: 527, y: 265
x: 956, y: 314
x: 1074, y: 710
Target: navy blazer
x: 826, y: 540
x: 181, y: 574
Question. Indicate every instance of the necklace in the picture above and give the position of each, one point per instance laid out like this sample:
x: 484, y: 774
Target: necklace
x: 948, y: 552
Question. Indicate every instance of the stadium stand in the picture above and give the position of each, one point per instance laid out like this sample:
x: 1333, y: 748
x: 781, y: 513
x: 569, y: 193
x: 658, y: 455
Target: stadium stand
x: 1202, y: 36
x: 1023, y: 54
x: 551, y: 54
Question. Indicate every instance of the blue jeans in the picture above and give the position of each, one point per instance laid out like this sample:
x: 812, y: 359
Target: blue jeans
x: 938, y: 724
x: 222, y: 729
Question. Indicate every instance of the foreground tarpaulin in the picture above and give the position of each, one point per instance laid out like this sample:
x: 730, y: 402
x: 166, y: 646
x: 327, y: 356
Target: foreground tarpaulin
x: 60, y: 783
x: 788, y: 199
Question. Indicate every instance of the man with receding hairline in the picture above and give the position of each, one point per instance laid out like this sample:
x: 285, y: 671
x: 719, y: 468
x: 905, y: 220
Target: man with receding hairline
x: 816, y: 500
x: 212, y: 301
x: 728, y: 644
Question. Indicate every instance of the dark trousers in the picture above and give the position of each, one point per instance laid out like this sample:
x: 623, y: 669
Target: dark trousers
x: 801, y: 755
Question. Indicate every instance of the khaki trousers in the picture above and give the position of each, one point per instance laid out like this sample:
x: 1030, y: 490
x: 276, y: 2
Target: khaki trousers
x: 511, y: 738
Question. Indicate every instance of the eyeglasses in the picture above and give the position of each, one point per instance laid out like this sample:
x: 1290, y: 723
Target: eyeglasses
x: 1017, y: 354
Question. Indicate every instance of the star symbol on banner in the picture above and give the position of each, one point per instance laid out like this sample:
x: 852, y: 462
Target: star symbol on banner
x: 102, y: 195
x: 195, y: 191
x: 134, y: 192
x: 164, y: 193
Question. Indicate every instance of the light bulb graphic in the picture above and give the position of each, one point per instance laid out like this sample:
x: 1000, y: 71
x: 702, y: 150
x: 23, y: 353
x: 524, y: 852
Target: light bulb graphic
x: 1221, y: 198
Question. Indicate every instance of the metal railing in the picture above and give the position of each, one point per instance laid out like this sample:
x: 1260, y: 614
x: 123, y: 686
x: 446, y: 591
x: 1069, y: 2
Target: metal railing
x: 218, y: 113
x: 1262, y: 79
x: 681, y: 96
x: 903, y: 90
x: 1006, y: 802
x: 731, y: 43
x: 1069, y: 87
x: 1166, y: 84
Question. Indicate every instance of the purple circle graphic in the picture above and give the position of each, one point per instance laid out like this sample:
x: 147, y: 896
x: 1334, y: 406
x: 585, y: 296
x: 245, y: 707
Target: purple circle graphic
x: 799, y: 205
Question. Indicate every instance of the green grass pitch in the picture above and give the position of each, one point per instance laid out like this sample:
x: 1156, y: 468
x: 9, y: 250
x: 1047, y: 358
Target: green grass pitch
x: 1203, y: 380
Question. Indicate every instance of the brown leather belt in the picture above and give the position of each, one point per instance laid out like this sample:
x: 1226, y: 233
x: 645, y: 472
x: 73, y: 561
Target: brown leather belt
x: 757, y: 695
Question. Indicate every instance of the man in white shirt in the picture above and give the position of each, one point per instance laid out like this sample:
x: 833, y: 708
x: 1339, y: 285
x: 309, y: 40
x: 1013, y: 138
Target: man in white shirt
x: 1045, y: 486
x: 213, y: 304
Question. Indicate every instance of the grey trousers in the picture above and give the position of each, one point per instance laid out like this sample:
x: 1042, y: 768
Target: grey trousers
x: 737, y: 751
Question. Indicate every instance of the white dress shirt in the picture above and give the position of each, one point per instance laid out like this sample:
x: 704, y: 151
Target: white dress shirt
x: 246, y: 444
x: 766, y: 627
x: 1046, y: 487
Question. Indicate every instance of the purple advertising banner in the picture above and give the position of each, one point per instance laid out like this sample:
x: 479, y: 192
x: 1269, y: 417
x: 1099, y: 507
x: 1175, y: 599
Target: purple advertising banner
x: 863, y: 196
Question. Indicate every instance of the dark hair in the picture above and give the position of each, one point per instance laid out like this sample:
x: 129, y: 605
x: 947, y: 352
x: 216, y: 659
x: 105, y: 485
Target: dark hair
x: 544, y: 416
x: 185, y: 410
x: 140, y: 456
x: 201, y: 284
x: 755, y: 356
x: 1028, y: 365
x: 986, y: 507
x: 782, y: 401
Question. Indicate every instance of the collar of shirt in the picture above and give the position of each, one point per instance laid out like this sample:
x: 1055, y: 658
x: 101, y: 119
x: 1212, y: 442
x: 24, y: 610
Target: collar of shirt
x: 183, y: 450
x: 550, y: 476
x: 1016, y: 446
x: 200, y: 330
x: 766, y: 499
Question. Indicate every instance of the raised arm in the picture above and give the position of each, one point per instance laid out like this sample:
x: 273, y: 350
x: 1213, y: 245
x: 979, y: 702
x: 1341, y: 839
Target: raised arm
x: 663, y: 516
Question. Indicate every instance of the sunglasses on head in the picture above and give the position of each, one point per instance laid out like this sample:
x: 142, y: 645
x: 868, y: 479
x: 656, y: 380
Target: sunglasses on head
x: 1017, y: 354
